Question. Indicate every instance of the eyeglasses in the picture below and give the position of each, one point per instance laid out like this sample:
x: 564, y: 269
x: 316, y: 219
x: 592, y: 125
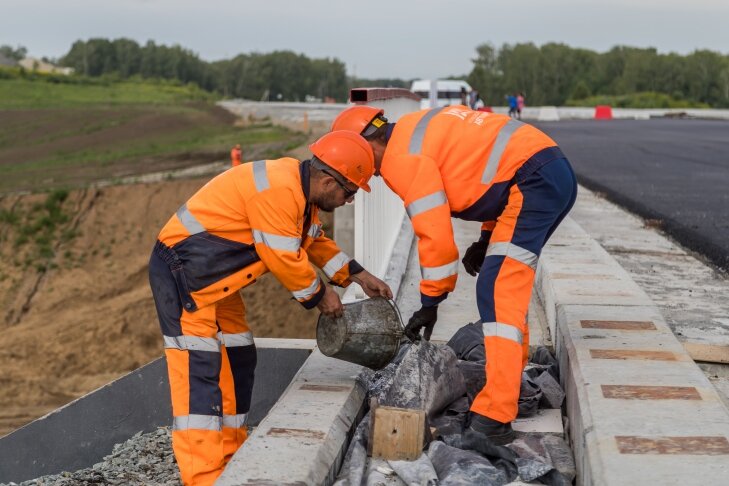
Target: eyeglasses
x: 318, y: 164
x: 348, y: 193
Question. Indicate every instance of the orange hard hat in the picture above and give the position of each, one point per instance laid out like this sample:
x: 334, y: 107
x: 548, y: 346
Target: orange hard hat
x: 357, y: 118
x: 347, y: 153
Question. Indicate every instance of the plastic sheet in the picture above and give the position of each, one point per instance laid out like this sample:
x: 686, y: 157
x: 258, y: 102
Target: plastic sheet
x: 547, y: 449
x: 419, y: 471
x: 427, y: 378
x: 431, y: 378
x: 457, y: 467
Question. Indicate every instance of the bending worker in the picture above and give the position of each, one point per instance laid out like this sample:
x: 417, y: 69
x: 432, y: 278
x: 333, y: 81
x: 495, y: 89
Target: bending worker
x: 258, y: 217
x: 477, y: 166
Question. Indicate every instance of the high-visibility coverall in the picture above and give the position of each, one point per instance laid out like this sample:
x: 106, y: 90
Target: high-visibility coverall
x: 246, y: 221
x: 478, y: 166
x: 236, y: 155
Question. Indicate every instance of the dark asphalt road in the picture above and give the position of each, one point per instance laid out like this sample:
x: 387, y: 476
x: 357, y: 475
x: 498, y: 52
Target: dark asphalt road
x: 675, y: 171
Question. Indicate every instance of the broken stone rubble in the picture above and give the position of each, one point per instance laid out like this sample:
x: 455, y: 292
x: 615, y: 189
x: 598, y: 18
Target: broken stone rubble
x: 429, y: 377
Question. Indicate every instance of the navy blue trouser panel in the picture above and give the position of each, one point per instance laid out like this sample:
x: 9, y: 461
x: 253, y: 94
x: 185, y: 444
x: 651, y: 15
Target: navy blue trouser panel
x: 243, y: 366
x: 485, y: 283
x: 548, y: 195
x: 166, y: 297
x: 205, y: 395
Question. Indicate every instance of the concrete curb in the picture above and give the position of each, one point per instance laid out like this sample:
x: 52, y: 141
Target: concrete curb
x: 304, y: 437
x: 641, y: 411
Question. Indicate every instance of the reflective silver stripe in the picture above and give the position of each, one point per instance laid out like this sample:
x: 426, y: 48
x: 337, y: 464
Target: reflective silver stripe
x: 191, y: 224
x: 335, y: 264
x: 308, y: 291
x: 235, y: 421
x: 503, y: 331
x: 201, y: 422
x: 314, y: 230
x: 425, y: 203
x: 515, y: 252
x: 277, y: 242
x: 416, y: 140
x: 192, y: 343
x: 441, y: 272
x: 502, y: 139
x: 240, y: 339
x: 260, y: 178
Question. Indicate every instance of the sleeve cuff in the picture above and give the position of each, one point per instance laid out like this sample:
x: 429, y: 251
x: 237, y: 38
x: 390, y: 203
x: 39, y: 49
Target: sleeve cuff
x: 355, y: 267
x: 314, y: 301
x: 429, y: 301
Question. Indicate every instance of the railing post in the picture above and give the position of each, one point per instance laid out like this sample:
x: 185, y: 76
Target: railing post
x: 378, y: 216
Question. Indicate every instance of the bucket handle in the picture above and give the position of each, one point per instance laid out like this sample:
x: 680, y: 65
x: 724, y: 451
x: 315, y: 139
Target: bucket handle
x: 397, y: 310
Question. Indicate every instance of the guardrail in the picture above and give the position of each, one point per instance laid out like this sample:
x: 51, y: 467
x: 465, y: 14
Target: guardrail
x: 378, y: 216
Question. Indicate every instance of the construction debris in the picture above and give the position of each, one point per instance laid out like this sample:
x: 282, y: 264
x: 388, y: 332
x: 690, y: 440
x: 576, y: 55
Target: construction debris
x: 431, y: 378
x: 145, y: 459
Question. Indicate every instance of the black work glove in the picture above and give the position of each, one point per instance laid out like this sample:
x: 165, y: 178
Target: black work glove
x: 423, y: 318
x: 473, y: 259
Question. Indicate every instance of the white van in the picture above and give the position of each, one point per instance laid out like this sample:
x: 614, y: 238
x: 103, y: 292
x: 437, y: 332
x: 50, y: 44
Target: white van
x: 449, y: 91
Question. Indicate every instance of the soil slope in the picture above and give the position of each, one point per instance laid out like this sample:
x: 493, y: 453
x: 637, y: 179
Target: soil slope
x: 88, y: 317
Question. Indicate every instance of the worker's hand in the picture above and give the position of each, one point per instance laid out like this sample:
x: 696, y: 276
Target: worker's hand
x: 330, y: 305
x: 423, y: 318
x: 474, y: 257
x: 372, y: 285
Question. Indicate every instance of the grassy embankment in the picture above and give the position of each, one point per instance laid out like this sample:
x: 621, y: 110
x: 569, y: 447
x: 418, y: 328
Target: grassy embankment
x: 59, y: 136
x: 69, y: 134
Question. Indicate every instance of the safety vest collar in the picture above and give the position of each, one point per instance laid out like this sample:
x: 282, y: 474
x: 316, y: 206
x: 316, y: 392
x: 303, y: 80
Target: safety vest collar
x: 388, y: 131
x: 305, y: 176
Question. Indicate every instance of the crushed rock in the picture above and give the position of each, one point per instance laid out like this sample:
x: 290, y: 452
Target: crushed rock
x: 145, y: 459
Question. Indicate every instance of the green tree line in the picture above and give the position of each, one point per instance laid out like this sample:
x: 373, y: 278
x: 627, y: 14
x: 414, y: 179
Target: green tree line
x: 279, y: 75
x: 556, y: 74
x: 551, y: 74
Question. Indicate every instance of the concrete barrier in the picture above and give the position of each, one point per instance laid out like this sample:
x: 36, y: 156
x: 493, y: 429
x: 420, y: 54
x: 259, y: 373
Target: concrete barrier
x: 548, y: 113
x: 640, y: 410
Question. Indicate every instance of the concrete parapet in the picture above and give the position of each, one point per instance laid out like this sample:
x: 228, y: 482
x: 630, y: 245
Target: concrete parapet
x: 304, y: 437
x: 641, y: 411
x: 548, y: 113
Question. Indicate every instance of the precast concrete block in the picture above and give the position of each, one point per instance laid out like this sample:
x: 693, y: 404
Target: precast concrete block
x: 634, y: 396
x: 305, y: 435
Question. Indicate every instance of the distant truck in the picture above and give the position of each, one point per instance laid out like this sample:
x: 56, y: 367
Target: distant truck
x: 449, y: 91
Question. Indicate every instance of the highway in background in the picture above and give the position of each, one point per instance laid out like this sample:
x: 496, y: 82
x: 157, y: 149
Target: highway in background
x: 674, y: 171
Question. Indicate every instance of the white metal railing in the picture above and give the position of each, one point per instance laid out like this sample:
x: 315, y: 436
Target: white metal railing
x: 378, y: 216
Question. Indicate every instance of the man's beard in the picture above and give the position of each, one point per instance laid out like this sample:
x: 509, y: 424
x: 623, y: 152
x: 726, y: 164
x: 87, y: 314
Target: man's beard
x: 327, y: 205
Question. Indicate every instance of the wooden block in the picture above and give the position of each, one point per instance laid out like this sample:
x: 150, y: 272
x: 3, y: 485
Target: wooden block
x: 397, y: 433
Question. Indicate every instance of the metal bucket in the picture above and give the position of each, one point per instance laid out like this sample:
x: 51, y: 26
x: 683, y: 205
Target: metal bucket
x: 367, y: 334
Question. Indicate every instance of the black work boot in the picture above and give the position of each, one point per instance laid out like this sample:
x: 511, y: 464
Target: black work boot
x: 493, y: 431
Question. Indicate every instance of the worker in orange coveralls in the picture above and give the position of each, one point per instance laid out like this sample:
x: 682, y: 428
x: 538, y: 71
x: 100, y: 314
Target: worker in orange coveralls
x: 254, y: 218
x: 236, y: 155
x: 477, y: 166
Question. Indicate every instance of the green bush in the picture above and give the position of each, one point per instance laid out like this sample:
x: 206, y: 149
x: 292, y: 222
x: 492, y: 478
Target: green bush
x: 646, y: 99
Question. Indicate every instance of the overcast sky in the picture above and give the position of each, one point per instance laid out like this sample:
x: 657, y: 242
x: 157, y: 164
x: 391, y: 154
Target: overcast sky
x: 376, y: 38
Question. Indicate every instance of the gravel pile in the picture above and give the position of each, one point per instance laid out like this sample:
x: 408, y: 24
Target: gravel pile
x: 145, y: 459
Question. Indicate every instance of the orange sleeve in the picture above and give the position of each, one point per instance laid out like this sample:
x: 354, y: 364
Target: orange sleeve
x: 418, y: 182
x: 274, y: 215
x: 325, y: 254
